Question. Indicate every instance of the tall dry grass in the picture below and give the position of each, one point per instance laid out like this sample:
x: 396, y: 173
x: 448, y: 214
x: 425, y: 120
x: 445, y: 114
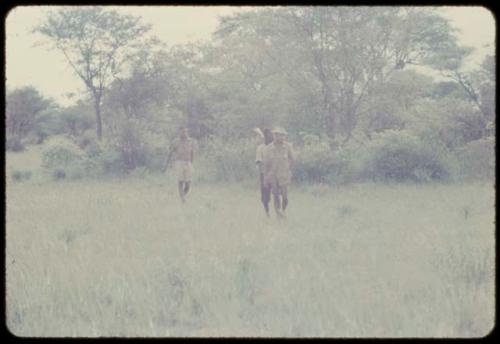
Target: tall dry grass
x: 126, y: 258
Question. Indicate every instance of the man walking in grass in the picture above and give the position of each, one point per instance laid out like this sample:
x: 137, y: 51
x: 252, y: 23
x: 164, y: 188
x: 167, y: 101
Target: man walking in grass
x: 265, y: 190
x: 183, y: 157
x: 277, y: 158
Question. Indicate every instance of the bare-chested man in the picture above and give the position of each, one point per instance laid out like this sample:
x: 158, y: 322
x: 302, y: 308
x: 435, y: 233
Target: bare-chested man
x: 278, y: 158
x: 183, y: 157
x: 265, y: 189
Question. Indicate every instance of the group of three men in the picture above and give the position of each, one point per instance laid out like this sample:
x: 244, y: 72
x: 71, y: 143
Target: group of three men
x: 274, y: 159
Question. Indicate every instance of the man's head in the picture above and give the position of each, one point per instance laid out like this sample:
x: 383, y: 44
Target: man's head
x: 183, y: 133
x: 268, y: 136
x: 279, y: 135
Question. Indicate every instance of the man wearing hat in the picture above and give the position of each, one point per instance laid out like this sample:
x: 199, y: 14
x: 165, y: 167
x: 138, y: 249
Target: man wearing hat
x: 278, y: 158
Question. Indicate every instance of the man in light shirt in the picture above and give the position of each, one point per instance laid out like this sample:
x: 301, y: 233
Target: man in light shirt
x: 278, y: 158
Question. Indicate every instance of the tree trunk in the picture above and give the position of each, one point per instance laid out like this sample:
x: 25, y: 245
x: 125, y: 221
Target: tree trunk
x: 331, y: 125
x: 97, y: 107
x: 349, y: 123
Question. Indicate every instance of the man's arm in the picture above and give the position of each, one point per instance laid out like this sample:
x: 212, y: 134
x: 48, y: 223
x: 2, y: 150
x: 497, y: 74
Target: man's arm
x: 258, y: 157
x: 291, y: 155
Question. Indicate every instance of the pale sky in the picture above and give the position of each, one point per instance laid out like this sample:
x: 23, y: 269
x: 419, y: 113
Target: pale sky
x: 30, y: 64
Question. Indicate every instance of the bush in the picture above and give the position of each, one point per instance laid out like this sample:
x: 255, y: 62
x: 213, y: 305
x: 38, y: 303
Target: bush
x: 235, y: 161
x: 14, y: 144
x: 75, y: 120
x: 401, y: 156
x: 33, y: 138
x: 47, y: 125
x: 19, y: 175
x: 318, y: 163
x: 88, y: 142
x: 224, y: 161
x: 134, y: 145
x: 60, y: 151
x: 63, y: 159
x: 477, y: 159
x: 108, y: 161
x: 156, y: 150
x: 58, y: 174
x: 315, y: 161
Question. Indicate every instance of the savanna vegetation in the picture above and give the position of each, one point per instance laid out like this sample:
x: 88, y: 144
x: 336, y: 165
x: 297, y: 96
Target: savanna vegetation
x: 391, y: 217
x: 339, y: 79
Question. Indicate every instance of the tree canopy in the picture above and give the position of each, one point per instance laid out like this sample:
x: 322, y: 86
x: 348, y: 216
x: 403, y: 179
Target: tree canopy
x: 96, y: 43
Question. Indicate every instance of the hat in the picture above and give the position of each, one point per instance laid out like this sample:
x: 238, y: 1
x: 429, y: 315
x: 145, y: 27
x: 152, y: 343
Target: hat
x: 258, y: 132
x: 279, y: 130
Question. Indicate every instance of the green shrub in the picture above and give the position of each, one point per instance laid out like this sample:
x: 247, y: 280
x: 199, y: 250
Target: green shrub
x: 235, y: 161
x: 48, y: 125
x: 317, y: 162
x: 134, y: 145
x: 109, y: 161
x: 155, y: 150
x: 62, y: 158
x: 14, y: 144
x: 342, y: 170
x: 227, y: 161
x: 75, y: 120
x: 88, y: 142
x: 477, y: 159
x: 156, y: 157
x: 19, y: 175
x: 397, y: 155
x: 60, y: 151
x: 58, y: 174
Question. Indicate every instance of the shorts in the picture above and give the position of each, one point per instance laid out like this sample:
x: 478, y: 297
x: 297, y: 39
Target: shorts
x: 278, y: 186
x: 184, y: 170
x: 279, y: 189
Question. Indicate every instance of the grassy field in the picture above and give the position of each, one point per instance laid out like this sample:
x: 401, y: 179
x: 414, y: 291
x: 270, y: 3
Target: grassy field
x: 126, y: 258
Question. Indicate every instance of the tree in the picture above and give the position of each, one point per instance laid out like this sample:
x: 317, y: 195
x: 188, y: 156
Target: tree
x: 478, y: 86
x: 76, y: 119
x: 24, y: 107
x: 341, y: 52
x: 144, y: 109
x: 389, y: 103
x: 96, y: 43
x: 185, y: 72
x: 247, y: 88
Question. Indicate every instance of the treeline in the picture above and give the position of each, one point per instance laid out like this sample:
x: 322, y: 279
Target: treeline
x: 339, y: 79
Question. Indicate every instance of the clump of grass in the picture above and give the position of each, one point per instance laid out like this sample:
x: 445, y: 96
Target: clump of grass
x: 58, y: 174
x: 345, y: 210
x: 21, y: 175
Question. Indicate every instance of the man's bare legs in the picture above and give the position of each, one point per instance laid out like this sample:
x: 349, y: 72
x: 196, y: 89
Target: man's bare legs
x: 181, y: 191
x: 284, y: 196
x: 184, y: 187
x: 280, y: 198
x: 277, y: 199
x: 265, y: 194
x: 265, y: 199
